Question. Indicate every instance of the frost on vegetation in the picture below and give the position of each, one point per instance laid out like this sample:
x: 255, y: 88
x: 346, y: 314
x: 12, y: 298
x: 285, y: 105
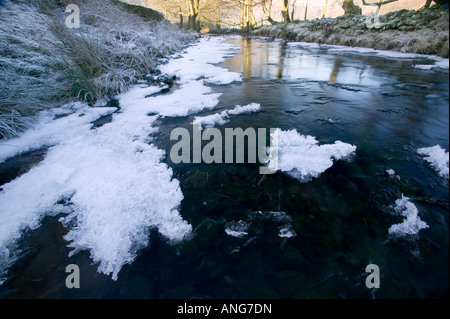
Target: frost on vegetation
x: 412, y: 223
x: 438, y: 159
x: 43, y: 62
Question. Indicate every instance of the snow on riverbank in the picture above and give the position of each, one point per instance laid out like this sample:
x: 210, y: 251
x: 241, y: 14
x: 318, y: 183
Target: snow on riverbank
x: 115, y: 181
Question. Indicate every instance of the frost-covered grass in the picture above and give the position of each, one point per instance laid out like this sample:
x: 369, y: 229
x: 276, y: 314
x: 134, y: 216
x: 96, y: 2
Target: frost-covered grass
x: 43, y: 63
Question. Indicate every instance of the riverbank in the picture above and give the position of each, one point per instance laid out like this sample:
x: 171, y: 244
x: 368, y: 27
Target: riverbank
x: 46, y: 64
x: 422, y: 32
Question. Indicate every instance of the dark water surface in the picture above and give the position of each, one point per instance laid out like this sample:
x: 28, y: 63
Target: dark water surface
x: 383, y: 106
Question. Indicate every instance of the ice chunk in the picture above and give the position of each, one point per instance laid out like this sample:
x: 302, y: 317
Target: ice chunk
x: 390, y: 172
x: 438, y: 159
x: 250, y: 108
x: 213, y: 120
x: 425, y: 67
x: 302, y: 158
x: 286, y: 231
x: 237, y: 229
x: 223, y: 117
x: 412, y: 224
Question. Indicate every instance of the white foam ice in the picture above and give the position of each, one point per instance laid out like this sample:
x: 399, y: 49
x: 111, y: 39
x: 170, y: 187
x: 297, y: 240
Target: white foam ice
x: 198, y: 63
x: 223, y: 117
x: 438, y: 159
x: 390, y: 172
x: 412, y: 223
x: 425, y: 67
x: 120, y: 190
x: 47, y: 131
x: 246, y: 109
x: 192, y: 97
x: 303, y: 158
x: 237, y: 228
x: 286, y: 231
x: 118, y: 187
x: 309, y: 45
x: 212, y: 120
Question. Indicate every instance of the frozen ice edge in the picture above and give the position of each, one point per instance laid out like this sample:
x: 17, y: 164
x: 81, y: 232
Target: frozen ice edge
x: 117, y: 185
x: 439, y: 62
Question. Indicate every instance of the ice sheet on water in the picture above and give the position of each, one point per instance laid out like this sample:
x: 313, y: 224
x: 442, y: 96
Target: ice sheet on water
x: 117, y: 185
x: 193, y: 69
x: 198, y: 63
x: 440, y: 62
x: 303, y: 158
x: 47, y: 131
x: 120, y: 187
x: 191, y: 97
x: 438, y: 159
x: 412, y: 223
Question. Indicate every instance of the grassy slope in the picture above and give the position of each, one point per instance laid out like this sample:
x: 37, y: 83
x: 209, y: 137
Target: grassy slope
x: 45, y: 64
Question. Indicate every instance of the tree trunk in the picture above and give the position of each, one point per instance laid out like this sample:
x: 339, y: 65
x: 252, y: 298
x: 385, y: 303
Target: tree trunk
x: 194, y: 8
x: 285, y: 11
x: 306, y: 12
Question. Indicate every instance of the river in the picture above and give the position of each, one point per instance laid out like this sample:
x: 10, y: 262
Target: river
x: 338, y: 222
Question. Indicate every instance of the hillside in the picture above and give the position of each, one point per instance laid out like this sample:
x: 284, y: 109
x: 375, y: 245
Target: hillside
x: 45, y: 64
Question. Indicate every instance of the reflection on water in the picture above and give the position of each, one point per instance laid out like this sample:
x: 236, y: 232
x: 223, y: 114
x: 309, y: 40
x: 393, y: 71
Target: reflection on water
x: 341, y: 219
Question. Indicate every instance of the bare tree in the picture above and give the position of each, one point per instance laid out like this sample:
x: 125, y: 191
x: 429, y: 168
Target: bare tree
x: 293, y: 10
x: 266, y: 6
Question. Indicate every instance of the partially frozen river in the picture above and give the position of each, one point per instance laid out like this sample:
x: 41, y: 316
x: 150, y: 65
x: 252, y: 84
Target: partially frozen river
x: 307, y: 231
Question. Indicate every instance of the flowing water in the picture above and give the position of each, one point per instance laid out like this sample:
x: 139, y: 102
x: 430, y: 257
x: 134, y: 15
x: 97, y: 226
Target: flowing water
x: 341, y: 219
